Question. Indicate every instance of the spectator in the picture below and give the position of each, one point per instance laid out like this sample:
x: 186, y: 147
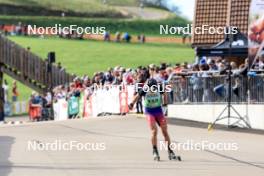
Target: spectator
x: 177, y: 68
x: 259, y: 65
x: 126, y: 37
x: 234, y: 68
x: 212, y: 65
x: 35, y: 107
x: 141, y: 38
x: 192, y: 79
x: 197, y: 83
x: 107, y: 36
x: 6, y: 90
x: 139, y: 105
x: 117, y: 37
x: 18, y: 29
x: 15, y: 93
x: 184, y: 38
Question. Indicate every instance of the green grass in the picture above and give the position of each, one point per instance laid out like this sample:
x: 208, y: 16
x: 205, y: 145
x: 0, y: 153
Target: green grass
x: 87, y: 57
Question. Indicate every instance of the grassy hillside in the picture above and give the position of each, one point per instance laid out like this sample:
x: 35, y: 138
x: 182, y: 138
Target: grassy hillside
x: 67, y: 3
x: 55, y: 8
x: 124, y: 2
x: 88, y: 8
x: 87, y: 57
x: 115, y: 15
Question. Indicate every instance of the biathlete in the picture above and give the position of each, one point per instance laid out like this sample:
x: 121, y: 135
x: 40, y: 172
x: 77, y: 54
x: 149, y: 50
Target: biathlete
x: 154, y: 114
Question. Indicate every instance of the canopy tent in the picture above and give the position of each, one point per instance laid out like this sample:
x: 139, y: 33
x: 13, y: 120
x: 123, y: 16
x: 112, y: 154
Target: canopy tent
x: 239, y: 48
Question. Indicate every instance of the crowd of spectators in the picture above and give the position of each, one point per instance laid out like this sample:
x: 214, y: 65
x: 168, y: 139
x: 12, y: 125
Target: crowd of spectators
x: 15, y: 29
x: 40, y: 107
x: 163, y: 73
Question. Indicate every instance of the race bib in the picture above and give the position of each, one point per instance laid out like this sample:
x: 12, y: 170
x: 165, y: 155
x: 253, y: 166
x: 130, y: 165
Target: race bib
x: 152, y: 100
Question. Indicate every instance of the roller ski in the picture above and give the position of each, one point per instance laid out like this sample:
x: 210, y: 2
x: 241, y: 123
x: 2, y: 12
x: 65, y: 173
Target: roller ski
x: 172, y: 156
x: 156, y: 155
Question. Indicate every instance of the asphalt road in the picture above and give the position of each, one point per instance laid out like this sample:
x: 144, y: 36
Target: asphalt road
x: 121, y: 146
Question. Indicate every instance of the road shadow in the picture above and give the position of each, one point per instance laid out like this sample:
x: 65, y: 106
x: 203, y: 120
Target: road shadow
x: 6, y: 143
x: 203, y: 125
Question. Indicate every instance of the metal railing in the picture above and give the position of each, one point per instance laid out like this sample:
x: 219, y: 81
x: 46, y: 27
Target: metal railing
x: 194, y: 89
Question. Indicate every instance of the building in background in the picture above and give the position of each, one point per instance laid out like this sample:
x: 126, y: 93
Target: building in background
x: 222, y: 13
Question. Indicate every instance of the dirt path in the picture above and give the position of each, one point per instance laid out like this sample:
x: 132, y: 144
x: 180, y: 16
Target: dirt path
x: 145, y: 13
x: 151, y: 39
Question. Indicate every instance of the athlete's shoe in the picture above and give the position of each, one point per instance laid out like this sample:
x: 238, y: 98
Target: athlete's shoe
x: 172, y: 156
x: 156, y: 155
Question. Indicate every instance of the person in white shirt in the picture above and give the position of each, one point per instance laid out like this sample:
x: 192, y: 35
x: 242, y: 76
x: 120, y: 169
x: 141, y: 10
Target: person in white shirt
x: 6, y: 89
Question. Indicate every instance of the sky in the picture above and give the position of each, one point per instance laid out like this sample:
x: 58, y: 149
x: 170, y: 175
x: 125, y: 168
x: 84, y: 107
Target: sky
x: 185, y: 6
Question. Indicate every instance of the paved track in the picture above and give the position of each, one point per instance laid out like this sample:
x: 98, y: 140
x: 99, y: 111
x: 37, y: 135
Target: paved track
x: 128, y: 150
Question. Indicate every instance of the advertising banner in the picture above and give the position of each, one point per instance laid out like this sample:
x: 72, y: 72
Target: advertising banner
x: 60, y: 110
x: 81, y: 105
x: 256, y: 30
x: 73, y: 105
